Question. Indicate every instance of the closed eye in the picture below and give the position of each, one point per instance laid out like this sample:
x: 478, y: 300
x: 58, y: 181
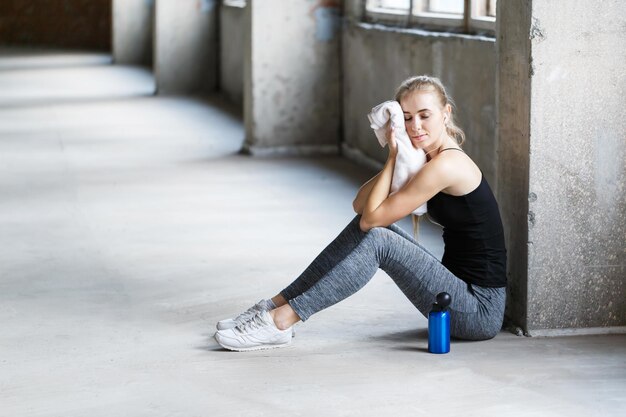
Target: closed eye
x: 422, y: 117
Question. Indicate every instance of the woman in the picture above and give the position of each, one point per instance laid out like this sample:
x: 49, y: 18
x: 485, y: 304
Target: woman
x: 473, y: 268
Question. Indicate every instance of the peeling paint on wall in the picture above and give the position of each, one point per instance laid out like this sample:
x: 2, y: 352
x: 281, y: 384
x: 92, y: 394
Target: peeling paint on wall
x: 608, y: 171
x: 536, y: 32
x: 327, y: 15
x: 205, y: 6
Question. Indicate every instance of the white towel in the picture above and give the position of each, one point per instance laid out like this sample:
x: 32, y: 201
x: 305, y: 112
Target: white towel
x: 408, y: 160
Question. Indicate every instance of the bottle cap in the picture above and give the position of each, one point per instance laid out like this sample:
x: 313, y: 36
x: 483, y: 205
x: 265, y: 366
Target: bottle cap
x: 443, y: 301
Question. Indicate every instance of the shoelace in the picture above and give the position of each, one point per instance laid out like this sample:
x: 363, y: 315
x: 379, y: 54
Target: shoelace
x: 254, y: 323
x: 248, y: 314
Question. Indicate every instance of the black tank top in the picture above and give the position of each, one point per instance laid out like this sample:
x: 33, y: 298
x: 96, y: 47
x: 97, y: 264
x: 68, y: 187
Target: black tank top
x: 473, y: 236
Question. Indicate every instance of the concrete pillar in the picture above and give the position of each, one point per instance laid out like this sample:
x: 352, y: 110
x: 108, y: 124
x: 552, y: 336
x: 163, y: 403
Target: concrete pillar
x: 291, y: 77
x: 232, y: 32
x: 186, y: 46
x: 133, y: 25
x: 561, y: 171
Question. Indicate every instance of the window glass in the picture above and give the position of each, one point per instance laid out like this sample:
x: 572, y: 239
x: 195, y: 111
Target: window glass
x: 444, y: 6
x: 390, y: 4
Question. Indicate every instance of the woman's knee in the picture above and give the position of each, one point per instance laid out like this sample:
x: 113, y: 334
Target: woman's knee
x: 475, y: 331
x: 475, y: 337
x: 379, y: 232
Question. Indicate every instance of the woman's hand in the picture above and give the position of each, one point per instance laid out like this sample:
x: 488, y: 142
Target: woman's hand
x: 391, y: 141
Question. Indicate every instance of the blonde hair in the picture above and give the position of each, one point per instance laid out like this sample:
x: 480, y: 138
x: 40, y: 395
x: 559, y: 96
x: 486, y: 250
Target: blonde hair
x: 431, y: 84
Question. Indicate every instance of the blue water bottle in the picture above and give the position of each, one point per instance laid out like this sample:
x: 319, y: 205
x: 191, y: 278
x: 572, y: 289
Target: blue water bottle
x: 439, y: 325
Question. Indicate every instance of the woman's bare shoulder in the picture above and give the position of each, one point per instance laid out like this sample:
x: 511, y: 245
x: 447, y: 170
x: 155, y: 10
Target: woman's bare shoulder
x: 461, y: 171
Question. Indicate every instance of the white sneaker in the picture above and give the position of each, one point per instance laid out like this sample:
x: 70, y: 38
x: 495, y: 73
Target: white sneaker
x: 258, y: 333
x: 263, y: 305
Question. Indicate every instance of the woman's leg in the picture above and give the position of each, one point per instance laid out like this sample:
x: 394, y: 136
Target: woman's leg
x: 334, y: 253
x: 417, y: 273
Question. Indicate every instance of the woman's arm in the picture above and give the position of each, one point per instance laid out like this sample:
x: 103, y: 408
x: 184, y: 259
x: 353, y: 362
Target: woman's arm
x: 380, y: 209
x: 362, y: 194
x: 381, y: 185
x: 366, y: 189
x: 383, y: 211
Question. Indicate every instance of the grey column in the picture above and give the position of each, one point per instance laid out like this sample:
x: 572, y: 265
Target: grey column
x: 133, y: 25
x: 561, y: 171
x: 232, y: 34
x: 186, y: 46
x: 291, y: 77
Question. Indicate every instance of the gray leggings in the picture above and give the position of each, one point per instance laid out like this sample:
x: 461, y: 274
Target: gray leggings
x: 352, y: 259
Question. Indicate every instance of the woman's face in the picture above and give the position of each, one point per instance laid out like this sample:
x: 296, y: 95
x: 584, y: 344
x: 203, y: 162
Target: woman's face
x: 423, y: 119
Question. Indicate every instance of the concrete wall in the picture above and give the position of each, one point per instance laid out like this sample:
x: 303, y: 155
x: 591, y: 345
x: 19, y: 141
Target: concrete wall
x: 377, y: 59
x: 232, y: 36
x: 185, y: 60
x: 562, y: 143
x: 513, y: 109
x: 133, y: 27
x: 76, y: 24
x: 292, y: 87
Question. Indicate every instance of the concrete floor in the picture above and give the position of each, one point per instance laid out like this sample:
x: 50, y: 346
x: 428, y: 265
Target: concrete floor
x: 129, y: 225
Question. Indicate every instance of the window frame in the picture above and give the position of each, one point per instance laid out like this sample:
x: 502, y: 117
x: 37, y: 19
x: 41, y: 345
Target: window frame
x: 474, y: 20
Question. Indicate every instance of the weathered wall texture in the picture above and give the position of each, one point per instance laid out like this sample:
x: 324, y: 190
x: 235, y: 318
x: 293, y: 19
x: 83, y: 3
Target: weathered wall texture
x: 377, y: 59
x: 76, y: 24
x: 513, y: 108
x: 185, y: 60
x: 292, y: 88
x: 133, y: 24
x: 575, y: 151
x: 577, y: 205
x: 232, y: 36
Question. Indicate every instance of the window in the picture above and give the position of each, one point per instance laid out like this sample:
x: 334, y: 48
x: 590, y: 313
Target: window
x: 453, y: 7
x: 234, y: 3
x: 467, y: 16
